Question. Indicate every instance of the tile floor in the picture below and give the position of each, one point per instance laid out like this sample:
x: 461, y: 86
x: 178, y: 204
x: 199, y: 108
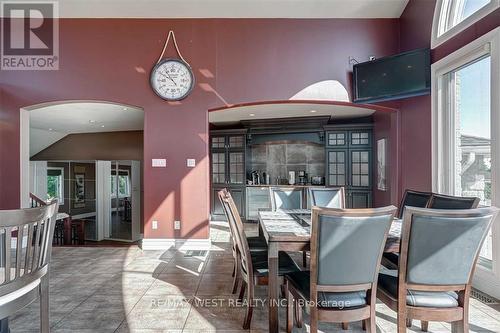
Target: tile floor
x: 128, y: 290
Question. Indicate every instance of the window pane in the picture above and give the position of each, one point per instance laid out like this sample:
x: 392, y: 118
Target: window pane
x: 455, y: 11
x: 55, y: 185
x: 473, y: 135
x: 469, y: 7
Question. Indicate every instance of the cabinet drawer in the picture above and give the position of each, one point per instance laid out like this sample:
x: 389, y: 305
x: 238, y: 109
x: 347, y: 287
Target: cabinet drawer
x: 256, y: 198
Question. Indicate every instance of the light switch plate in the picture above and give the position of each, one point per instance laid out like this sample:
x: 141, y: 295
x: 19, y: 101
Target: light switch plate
x: 154, y: 225
x: 159, y: 163
x: 191, y: 162
x: 177, y: 225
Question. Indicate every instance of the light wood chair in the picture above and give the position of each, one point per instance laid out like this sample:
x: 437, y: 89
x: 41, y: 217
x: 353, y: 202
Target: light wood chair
x: 439, y: 251
x: 441, y: 201
x: 414, y: 199
x: 346, y: 249
x: 252, y: 266
x: 286, y: 198
x: 26, y: 244
x: 410, y: 198
x: 255, y: 244
x: 327, y: 197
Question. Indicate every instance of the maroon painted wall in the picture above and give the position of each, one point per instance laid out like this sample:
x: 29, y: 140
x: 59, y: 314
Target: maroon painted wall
x: 416, y: 122
x: 385, y: 126
x: 243, y: 60
x: 415, y: 113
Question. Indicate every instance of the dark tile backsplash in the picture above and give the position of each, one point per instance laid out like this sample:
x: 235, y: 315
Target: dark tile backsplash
x: 277, y: 159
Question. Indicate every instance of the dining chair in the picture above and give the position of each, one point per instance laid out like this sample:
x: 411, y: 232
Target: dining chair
x: 414, y: 199
x: 253, y: 266
x: 436, y: 201
x: 286, y: 198
x: 26, y: 244
x: 255, y: 244
x: 328, y: 197
x: 346, y: 249
x: 433, y: 280
x: 411, y: 198
x: 441, y: 201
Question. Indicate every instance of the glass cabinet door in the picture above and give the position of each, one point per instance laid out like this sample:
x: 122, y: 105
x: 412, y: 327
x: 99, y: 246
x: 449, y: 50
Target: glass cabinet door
x: 218, y: 168
x: 360, y: 168
x: 360, y: 138
x: 218, y: 142
x: 336, y: 139
x: 236, y: 167
x: 236, y: 142
x: 337, y: 161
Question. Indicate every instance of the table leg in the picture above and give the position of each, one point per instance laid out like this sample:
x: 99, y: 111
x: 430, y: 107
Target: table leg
x: 273, y: 288
x: 67, y: 231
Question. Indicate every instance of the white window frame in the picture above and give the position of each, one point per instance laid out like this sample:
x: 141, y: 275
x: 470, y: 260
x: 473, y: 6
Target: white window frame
x: 443, y: 145
x: 61, y: 201
x: 116, y: 194
x: 447, y: 10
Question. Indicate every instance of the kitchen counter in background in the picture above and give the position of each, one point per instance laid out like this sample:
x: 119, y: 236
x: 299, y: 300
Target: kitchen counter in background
x: 294, y: 186
x: 257, y: 197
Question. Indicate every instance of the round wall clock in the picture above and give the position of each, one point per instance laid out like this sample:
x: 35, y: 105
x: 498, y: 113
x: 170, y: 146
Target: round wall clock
x: 172, y: 79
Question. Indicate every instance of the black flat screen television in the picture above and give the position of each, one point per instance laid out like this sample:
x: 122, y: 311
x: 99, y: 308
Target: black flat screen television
x: 402, y: 75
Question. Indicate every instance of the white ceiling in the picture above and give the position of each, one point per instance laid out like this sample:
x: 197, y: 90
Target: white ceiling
x: 232, y: 8
x: 285, y: 110
x: 41, y: 139
x: 49, y: 124
x: 87, y: 118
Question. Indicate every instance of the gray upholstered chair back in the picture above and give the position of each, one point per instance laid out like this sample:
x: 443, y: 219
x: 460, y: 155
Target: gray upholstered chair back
x: 349, y: 244
x: 25, y: 244
x: 443, y: 245
x: 414, y: 199
x: 285, y: 198
x: 441, y: 201
x: 329, y: 197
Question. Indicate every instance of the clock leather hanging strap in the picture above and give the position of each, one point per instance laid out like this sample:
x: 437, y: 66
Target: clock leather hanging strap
x: 171, y: 34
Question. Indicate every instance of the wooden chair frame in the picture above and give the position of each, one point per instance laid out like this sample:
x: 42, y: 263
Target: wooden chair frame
x: 366, y: 313
x: 39, y: 223
x: 475, y: 200
x: 244, y: 265
x: 459, y: 316
x: 405, y: 195
x: 283, y: 189
x: 223, y: 194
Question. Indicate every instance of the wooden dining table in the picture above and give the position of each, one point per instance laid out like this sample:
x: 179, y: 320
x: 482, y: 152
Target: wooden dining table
x: 290, y: 230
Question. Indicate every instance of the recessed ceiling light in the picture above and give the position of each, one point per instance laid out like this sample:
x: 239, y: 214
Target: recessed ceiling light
x: 50, y: 129
x: 313, y: 111
x: 252, y: 114
x: 92, y: 121
x: 102, y: 125
x: 124, y: 109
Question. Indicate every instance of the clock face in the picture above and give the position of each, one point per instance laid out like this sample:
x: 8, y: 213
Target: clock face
x: 172, y: 79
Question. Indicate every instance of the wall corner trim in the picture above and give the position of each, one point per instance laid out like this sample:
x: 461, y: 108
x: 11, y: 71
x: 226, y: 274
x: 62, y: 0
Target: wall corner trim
x: 175, y: 243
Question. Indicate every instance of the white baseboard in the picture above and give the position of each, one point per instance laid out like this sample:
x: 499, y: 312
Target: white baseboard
x: 179, y: 244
